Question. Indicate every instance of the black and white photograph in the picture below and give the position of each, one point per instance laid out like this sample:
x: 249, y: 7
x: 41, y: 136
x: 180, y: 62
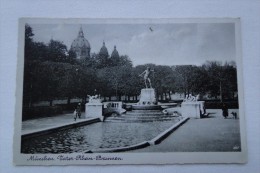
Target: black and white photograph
x: 129, y: 91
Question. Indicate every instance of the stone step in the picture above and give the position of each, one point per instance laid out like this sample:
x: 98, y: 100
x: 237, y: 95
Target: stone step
x: 134, y: 121
x: 143, y: 114
x: 145, y: 111
x: 140, y: 118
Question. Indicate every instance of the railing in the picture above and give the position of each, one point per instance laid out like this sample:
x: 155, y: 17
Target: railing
x: 113, y: 104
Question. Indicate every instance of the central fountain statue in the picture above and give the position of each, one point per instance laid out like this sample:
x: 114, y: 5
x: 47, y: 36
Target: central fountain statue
x: 148, y: 99
x: 146, y: 75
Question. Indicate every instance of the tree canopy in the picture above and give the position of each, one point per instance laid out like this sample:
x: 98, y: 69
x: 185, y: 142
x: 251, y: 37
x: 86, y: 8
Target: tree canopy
x: 52, y: 72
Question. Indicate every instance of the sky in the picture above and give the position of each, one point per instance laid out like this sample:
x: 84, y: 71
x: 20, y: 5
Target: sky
x: 161, y: 44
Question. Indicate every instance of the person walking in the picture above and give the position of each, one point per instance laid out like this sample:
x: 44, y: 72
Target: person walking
x: 224, y: 110
x: 79, y: 110
x: 75, y: 114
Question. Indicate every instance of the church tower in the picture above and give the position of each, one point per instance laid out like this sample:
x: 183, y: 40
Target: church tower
x: 115, y: 53
x: 103, y: 51
x: 81, y: 46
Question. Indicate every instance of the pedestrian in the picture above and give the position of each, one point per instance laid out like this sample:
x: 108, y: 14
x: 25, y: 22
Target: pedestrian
x: 224, y: 110
x: 79, y: 110
x: 75, y: 114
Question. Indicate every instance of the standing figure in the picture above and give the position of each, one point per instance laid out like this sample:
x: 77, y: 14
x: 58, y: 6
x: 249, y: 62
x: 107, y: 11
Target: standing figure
x: 78, y: 110
x: 224, y: 110
x: 75, y: 114
x: 146, y: 74
x: 186, y: 98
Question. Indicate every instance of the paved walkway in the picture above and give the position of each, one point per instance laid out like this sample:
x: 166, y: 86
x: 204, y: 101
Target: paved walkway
x: 40, y: 124
x: 201, y: 135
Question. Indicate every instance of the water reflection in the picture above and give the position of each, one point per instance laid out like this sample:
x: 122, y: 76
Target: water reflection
x: 95, y: 136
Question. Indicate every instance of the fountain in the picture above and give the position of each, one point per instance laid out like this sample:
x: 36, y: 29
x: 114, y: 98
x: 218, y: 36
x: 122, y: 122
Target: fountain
x: 118, y: 128
x: 147, y: 109
x: 148, y: 99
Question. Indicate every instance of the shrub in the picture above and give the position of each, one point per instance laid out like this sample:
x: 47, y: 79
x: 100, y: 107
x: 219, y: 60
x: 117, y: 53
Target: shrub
x: 218, y: 105
x: 71, y: 106
x: 40, y: 111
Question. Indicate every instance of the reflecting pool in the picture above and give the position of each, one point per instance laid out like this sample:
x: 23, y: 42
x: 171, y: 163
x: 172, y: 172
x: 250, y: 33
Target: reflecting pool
x: 96, y: 136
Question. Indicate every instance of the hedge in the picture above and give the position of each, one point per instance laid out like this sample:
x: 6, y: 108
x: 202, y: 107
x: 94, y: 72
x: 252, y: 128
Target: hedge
x: 41, y: 111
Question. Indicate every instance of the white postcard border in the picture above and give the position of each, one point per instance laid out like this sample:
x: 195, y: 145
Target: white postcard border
x: 129, y: 158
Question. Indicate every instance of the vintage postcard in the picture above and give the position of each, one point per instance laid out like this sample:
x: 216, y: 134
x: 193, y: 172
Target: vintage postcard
x: 129, y: 91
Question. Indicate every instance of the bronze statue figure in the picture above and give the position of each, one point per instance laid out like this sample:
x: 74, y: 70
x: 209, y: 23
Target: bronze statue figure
x: 146, y: 75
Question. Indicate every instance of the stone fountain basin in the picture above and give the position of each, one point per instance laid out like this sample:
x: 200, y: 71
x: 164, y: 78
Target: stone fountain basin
x: 146, y: 107
x: 167, y: 105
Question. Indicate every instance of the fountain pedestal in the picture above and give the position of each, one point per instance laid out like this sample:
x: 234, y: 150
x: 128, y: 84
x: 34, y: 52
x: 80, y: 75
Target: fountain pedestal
x: 94, y: 109
x: 147, y: 100
x: 148, y: 97
x: 193, y: 109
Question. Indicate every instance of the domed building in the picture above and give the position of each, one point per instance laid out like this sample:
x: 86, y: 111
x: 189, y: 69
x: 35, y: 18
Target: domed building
x: 81, y: 46
x: 115, y: 53
x: 103, y: 51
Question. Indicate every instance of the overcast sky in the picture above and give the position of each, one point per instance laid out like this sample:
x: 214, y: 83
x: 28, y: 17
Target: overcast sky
x: 162, y: 44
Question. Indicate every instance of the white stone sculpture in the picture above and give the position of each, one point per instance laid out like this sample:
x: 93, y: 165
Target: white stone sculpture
x: 191, y: 98
x: 94, y: 99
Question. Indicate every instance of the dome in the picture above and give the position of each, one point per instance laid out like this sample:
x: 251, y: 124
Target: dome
x: 103, y: 50
x: 81, y: 45
x: 115, y: 53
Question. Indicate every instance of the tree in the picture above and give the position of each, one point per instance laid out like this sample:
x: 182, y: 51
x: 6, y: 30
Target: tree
x: 229, y: 81
x: 222, y: 79
x: 30, y: 84
x: 114, y: 81
x: 124, y: 60
x: 183, y: 75
x: 48, y: 80
x: 72, y: 57
x: 28, y: 34
x: 28, y: 47
x: 199, y: 80
x: 68, y: 83
x: 87, y: 82
x: 167, y: 80
x: 30, y: 65
x: 57, y: 51
x: 215, y: 76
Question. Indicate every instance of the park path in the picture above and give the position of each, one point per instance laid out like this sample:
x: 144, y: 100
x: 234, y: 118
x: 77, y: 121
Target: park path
x: 41, y: 124
x: 202, y: 135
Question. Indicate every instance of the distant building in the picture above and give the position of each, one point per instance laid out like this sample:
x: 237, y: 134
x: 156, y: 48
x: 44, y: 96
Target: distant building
x: 103, y: 51
x: 81, y: 46
x: 115, y: 53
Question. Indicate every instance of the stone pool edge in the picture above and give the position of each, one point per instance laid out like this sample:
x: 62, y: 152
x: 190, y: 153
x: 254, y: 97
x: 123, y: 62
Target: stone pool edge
x: 158, y: 139
x: 58, y: 128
